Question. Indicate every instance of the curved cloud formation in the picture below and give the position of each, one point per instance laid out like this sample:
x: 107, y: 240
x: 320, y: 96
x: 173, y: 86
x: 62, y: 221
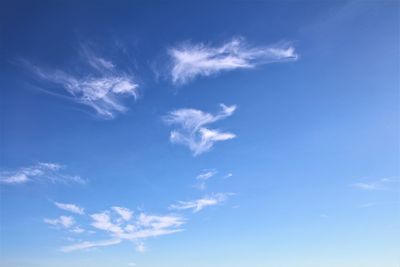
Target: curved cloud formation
x: 192, y: 60
x: 193, y: 133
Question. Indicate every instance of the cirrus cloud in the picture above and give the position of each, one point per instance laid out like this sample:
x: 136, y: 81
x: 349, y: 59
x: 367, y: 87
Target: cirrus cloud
x: 189, y: 60
x: 135, y: 228
x: 103, y: 87
x: 381, y: 184
x: 120, y: 227
x: 192, y: 131
x: 62, y: 221
x: 70, y: 207
x: 40, y: 172
x: 199, y: 204
x: 203, y: 177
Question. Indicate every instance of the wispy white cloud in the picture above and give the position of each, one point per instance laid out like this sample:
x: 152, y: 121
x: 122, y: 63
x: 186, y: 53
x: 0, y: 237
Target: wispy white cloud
x: 126, y: 214
x: 140, y: 247
x: 52, y: 172
x: 148, y: 225
x: 229, y: 175
x: 367, y: 186
x: 381, y: 184
x: 70, y: 207
x: 102, y: 89
x: 122, y: 224
x: 159, y: 222
x: 100, y: 64
x: 203, y: 177
x: 102, y: 221
x: 206, y: 174
x: 192, y: 60
x: 135, y: 229
x: 62, y: 221
x: 199, y: 204
x: 77, y: 230
x: 193, y: 132
x: 90, y: 244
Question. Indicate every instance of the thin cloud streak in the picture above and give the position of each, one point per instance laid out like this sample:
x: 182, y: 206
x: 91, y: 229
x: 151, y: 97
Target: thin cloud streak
x: 77, y: 230
x: 40, y: 172
x: 70, y: 207
x: 100, y: 64
x: 199, y: 204
x: 62, y: 221
x: 381, y: 184
x: 206, y: 174
x: 189, y: 61
x: 90, y: 244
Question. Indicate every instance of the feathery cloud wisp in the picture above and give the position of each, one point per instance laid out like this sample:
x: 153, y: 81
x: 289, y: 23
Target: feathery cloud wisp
x: 126, y: 214
x: 63, y: 221
x: 206, y: 174
x: 193, y: 133
x: 70, y: 207
x: 102, y: 221
x: 381, y: 184
x: 77, y: 230
x: 90, y: 244
x: 98, y: 63
x: 192, y: 60
x: 104, y: 94
x: 41, y: 171
x: 199, y: 204
x: 203, y: 177
x: 103, y: 89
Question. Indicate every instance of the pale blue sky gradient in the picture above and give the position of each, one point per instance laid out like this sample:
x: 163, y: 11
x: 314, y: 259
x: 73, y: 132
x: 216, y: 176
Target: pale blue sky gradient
x: 314, y: 162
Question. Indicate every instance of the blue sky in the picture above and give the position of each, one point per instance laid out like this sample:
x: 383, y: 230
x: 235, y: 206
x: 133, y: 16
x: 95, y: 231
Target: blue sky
x: 229, y: 134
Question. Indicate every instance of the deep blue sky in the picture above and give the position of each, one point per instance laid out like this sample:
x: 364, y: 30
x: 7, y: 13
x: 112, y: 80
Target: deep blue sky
x: 311, y: 177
